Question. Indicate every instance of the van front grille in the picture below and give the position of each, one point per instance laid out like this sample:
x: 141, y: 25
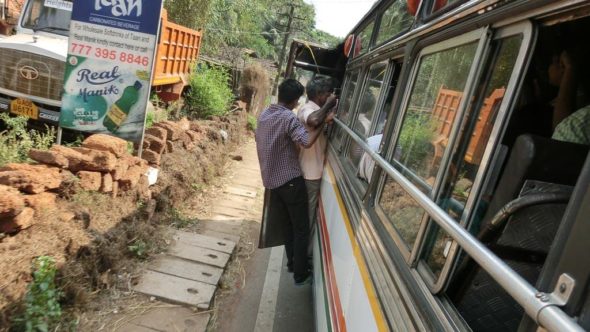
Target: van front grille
x: 31, y: 74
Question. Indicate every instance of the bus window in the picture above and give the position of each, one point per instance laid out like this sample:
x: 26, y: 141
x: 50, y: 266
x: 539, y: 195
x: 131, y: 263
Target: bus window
x: 439, y: 5
x: 394, y: 20
x: 366, y: 163
x: 429, y: 116
x: 346, y: 103
x: 364, y: 38
x: 441, y: 78
x: 468, y: 152
x: 367, y: 108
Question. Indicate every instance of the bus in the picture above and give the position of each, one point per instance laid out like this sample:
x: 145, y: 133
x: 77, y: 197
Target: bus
x: 445, y: 203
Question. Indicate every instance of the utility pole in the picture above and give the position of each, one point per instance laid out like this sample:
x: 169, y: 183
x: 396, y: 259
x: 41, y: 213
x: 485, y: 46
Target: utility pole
x: 284, y: 50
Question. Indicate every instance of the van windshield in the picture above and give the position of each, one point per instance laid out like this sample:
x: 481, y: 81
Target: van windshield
x: 48, y: 15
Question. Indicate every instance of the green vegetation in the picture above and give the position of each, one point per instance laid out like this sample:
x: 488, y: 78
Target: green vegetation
x: 43, y: 310
x: 415, y: 141
x: 209, y: 93
x: 257, y: 25
x: 251, y: 122
x: 16, y: 140
x: 139, y: 248
x: 178, y: 220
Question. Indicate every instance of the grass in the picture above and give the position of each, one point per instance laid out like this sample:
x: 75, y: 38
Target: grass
x: 17, y: 140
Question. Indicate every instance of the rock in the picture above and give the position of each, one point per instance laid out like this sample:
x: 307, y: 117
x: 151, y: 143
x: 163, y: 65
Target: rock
x: 158, y: 132
x: 143, y: 188
x: 107, y: 143
x: 153, y: 158
x: 90, y: 181
x: 194, y: 136
x: 136, y: 161
x: 41, y: 202
x: 184, y: 124
x: 67, y: 216
x: 31, y: 179
x: 75, y: 158
x: 224, y: 135
x: 120, y: 169
x: 237, y: 158
x: 107, y: 183
x: 96, y: 160
x: 115, y: 191
x: 131, y: 178
x: 170, y: 147
x: 11, y: 202
x: 155, y: 144
x: 195, y: 126
x: 49, y: 157
x: 22, y: 221
x: 171, y: 128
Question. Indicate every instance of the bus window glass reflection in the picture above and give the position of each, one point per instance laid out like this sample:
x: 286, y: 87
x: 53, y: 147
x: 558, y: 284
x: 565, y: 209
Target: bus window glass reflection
x: 367, y: 108
x: 468, y: 153
x: 346, y: 103
x: 441, y: 78
x: 395, y: 20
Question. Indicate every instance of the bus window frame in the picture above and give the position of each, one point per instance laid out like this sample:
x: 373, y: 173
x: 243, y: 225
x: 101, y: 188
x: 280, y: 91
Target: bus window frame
x: 340, y: 142
x: 379, y: 20
x: 419, y: 52
x: 526, y: 29
x: 379, y: 105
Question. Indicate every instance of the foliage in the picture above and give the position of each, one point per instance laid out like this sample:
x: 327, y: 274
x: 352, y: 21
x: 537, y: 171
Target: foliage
x: 139, y: 248
x: 190, y: 13
x: 178, y: 219
x: 209, y: 93
x: 415, y: 140
x: 43, y: 310
x: 16, y: 140
x: 258, y: 25
x: 251, y: 123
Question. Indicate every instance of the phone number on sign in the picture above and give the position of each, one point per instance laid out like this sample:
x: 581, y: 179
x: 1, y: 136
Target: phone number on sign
x: 105, y: 53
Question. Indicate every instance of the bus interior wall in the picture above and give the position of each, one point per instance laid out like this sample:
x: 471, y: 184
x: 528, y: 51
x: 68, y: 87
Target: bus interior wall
x: 535, y: 165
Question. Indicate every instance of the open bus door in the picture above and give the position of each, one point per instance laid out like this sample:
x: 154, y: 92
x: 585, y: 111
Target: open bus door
x: 317, y: 59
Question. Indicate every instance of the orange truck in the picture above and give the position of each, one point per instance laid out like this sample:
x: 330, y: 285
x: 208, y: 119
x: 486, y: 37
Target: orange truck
x: 32, y: 62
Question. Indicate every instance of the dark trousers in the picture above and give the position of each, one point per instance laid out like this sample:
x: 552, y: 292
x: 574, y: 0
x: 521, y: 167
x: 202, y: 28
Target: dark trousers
x: 292, y: 198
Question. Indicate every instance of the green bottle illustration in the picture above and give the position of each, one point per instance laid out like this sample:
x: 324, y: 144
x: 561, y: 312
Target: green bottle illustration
x: 117, y: 114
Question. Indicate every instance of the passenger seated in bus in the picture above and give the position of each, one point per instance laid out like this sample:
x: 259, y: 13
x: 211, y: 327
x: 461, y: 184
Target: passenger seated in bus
x: 367, y: 163
x: 573, y: 127
x: 311, y: 160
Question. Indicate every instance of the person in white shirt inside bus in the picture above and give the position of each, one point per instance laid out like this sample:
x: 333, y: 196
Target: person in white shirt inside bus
x: 319, y: 89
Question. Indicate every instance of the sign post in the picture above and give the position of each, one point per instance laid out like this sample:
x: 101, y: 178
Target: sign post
x: 109, y: 66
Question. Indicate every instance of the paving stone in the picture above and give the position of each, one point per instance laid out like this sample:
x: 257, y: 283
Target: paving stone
x: 240, y: 191
x: 187, y: 269
x: 228, y: 211
x: 224, y: 236
x: 229, y: 227
x: 175, y: 289
x: 199, y: 254
x: 204, y: 241
x: 173, y: 319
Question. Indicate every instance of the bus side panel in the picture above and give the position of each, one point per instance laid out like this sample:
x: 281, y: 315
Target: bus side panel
x: 348, y: 306
x: 319, y: 290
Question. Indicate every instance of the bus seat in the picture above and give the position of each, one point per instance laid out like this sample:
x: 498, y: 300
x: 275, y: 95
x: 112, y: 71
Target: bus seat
x: 536, y: 165
x: 523, y: 243
x: 536, y: 158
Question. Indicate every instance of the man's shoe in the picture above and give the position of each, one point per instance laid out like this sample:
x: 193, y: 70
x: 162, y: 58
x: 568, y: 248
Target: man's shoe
x: 306, y: 281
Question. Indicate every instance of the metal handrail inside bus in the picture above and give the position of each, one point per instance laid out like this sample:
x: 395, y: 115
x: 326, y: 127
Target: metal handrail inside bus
x: 537, y: 304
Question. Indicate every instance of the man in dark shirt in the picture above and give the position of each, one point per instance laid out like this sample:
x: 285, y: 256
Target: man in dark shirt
x: 278, y: 135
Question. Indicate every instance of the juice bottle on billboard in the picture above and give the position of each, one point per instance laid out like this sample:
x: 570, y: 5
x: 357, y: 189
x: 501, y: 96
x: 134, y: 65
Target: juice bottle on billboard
x: 117, y: 114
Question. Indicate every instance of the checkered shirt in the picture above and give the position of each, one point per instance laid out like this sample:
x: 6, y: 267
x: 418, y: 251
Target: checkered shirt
x: 575, y: 128
x: 277, y: 134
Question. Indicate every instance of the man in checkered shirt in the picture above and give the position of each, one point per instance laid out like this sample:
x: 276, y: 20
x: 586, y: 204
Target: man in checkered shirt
x: 279, y: 134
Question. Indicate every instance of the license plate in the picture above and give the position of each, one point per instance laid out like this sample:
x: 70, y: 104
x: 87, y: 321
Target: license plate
x: 24, y: 107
